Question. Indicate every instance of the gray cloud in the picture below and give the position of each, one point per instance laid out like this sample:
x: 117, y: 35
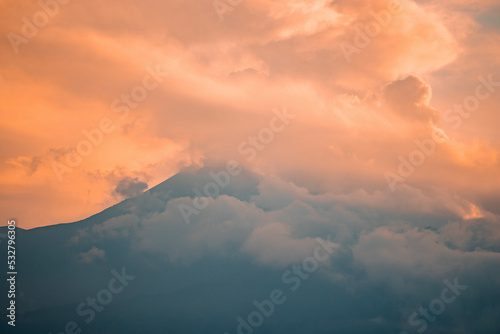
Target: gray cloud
x: 91, y: 255
x: 277, y: 227
x: 130, y: 187
x: 390, y: 258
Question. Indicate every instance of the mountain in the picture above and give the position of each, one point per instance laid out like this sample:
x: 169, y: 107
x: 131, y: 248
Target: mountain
x: 258, y: 257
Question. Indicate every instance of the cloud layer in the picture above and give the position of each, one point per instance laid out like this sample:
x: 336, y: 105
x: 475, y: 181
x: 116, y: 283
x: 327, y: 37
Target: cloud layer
x: 216, y: 84
x: 394, y: 260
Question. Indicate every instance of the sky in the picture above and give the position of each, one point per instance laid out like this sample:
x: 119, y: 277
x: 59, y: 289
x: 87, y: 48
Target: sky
x: 381, y: 104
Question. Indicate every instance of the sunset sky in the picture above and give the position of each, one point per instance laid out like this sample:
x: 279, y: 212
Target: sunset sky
x: 103, y: 100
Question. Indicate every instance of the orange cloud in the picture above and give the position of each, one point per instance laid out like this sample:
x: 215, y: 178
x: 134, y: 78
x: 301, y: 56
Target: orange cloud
x: 225, y: 77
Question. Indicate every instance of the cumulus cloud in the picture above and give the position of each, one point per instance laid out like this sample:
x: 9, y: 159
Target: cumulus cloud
x: 323, y: 175
x: 130, y: 187
x: 400, y: 248
x: 219, y: 230
x: 410, y: 97
x: 381, y: 254
x: 271, y: 244
x: 91, y: 255
x: 353, y: 119
x: 117, y: 227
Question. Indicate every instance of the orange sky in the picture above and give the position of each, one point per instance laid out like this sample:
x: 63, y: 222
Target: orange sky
x: 162, y: 85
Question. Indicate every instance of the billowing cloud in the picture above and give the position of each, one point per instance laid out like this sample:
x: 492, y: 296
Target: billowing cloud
x: 271, y: 244
x: 410, y: 98
x: 130, y: 187
x: 409, y: 245
x: 91, y: 255
x: 215, y: 84
x: 109, y: 99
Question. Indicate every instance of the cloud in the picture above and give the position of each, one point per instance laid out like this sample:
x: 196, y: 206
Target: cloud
x: 117, y: 227
x: 91, y: 255
x: 29, y: 163
x: 384, y: 251
x: 410, y: 97
x: 399, y: 247
x: 402, y: 256
x: 219, y: 231
x: 353, y: 119
x: 130, y: 187
x: 271, y: 244
x: 322, y: 175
